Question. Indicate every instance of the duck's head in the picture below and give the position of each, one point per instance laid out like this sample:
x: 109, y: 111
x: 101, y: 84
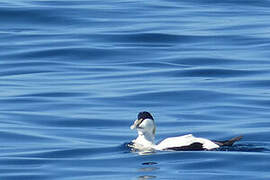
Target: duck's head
x: 144, y: 123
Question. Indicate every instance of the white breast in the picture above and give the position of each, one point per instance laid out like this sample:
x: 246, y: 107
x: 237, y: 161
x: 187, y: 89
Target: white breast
x: 185, y: 140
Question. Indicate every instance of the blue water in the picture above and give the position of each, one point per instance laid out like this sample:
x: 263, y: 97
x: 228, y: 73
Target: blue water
x: 74, y: 75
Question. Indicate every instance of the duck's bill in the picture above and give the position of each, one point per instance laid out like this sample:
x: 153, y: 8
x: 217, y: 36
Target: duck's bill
x: 132, y: 126
x: 136, y: 124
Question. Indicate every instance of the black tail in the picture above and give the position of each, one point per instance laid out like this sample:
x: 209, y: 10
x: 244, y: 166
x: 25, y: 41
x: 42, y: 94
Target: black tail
x: 228, y: 142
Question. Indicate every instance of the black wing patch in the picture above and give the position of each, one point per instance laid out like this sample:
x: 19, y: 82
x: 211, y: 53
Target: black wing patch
x: 192, y: 147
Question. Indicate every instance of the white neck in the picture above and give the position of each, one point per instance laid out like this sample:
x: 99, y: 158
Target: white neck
x: 146, y: 134
x: 145, y: 139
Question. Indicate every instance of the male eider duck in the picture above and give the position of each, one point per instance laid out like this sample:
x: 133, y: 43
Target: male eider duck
x: 145, y: 141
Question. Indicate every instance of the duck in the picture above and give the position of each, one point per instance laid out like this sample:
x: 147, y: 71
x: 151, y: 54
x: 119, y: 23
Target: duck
x: 146, y: 128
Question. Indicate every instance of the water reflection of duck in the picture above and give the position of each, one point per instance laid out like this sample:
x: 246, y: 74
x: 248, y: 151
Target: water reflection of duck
x: 145, y: 125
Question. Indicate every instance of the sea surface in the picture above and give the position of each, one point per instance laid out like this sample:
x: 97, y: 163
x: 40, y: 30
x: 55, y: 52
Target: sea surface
x: 74, y: 75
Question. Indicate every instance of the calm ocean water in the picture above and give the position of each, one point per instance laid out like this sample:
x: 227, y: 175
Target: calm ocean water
x: 74, y: 75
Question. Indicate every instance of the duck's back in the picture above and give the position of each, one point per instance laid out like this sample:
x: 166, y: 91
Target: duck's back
x: 186, y: 142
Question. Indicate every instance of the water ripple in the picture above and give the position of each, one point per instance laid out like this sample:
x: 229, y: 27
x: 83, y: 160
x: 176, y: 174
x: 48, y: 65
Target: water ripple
x: 74, y: 75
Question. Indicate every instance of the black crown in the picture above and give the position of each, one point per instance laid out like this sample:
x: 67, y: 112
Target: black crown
x: 145, y: 115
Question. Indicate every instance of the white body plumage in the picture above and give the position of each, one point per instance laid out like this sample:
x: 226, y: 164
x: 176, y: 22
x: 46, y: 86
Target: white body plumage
x: 146, y: 128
